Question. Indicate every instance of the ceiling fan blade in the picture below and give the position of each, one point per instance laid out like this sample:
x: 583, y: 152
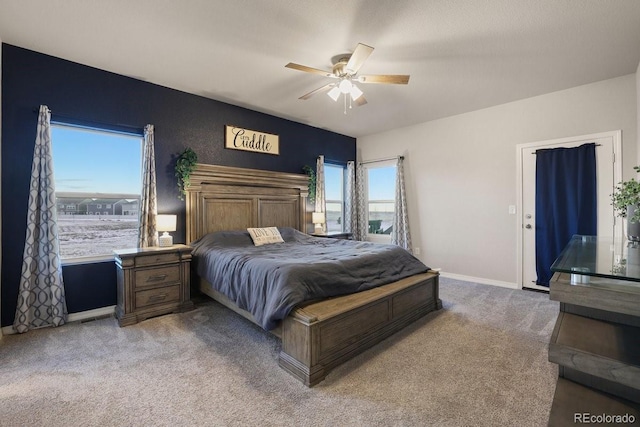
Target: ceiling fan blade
x: 398, y: 79
x: 358, y: 57
x: 360, y: 101
x: 324, y: 88
x: 309, y: 69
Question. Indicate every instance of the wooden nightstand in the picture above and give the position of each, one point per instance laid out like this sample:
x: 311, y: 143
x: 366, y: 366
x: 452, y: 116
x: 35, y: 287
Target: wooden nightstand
x: 152, y: 281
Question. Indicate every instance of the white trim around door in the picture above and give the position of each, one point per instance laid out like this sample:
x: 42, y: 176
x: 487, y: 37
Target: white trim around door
x: 615, y: 139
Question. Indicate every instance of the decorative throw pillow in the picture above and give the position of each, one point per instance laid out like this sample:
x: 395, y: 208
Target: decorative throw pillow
x: 265, y: 236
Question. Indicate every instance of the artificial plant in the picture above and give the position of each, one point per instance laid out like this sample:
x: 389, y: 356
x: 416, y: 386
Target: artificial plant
x: 185, y: 164
x: 625, y: 194
x: 312, y: 182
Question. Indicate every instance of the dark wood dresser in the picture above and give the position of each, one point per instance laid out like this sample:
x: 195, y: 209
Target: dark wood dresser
x: 596, y: 339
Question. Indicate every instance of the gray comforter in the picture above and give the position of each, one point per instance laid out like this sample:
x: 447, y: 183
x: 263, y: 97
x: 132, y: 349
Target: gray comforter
x: 268, y: 281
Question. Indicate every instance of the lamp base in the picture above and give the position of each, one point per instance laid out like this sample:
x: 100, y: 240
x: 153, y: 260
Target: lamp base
x: 318, y: 229
x: 165, y: 240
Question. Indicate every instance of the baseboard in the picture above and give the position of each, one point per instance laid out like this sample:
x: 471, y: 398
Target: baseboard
x: 75, y: 317
x: 480, y: 280
x: 96, y: 312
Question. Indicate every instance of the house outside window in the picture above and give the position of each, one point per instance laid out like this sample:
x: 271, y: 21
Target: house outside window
x: 96, y: 170
x: 381, y: 186
x: 334, y: 197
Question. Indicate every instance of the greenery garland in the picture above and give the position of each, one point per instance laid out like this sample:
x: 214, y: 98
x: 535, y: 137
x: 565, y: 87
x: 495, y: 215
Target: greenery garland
x: 312, y: 182
x: 185, y: 164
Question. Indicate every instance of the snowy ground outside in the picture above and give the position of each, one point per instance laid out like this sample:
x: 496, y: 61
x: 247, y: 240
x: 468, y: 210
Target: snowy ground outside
x: 89, y: 235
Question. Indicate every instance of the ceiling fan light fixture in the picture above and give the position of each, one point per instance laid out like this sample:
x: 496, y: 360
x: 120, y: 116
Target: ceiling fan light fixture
x: 334, y: 93
x: 355, y: 92
x: 345, y: 86
x: 345, y: 72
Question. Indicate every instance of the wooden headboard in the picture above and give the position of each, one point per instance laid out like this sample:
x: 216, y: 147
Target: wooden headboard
x: 228, y: 198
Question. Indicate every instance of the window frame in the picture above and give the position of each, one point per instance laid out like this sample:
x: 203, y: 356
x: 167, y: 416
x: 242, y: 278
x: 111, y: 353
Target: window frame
x: 103, y: 129
x: 342, y: 203
x: 376, y: 238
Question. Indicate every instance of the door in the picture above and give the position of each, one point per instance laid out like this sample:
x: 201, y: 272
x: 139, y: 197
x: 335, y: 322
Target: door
x: 609, y: 172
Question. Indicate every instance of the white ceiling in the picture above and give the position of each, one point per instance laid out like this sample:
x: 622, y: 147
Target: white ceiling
x: 462, y: 55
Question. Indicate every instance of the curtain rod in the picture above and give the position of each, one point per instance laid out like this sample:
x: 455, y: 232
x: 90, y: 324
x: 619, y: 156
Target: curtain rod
x: 334, y: 161
x: 536, y: 152
x: 381, y: 160
x: 79, y: 121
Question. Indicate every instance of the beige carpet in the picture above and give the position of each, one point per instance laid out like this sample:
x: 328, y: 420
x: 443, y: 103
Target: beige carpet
x: 481, y: 361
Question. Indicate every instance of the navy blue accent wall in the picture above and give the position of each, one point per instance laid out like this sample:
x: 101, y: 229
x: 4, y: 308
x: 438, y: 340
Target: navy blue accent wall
x: 181, y: 120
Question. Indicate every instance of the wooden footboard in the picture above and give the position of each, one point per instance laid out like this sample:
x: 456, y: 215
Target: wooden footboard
x: 319, y: 336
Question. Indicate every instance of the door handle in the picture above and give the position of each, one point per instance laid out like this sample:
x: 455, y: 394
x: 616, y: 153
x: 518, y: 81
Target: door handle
x: 528, y: 226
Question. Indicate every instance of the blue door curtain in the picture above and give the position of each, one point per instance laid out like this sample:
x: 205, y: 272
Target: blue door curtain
x: 566, y: 202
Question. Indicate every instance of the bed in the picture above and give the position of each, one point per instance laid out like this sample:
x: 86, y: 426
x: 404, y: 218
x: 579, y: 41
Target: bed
x: 319, y: 334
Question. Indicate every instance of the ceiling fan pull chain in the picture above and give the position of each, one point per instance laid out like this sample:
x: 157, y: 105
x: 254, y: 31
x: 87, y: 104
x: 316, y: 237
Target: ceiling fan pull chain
x: 345, y: 104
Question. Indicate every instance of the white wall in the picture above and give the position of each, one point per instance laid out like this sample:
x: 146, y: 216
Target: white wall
x: 461, y: 170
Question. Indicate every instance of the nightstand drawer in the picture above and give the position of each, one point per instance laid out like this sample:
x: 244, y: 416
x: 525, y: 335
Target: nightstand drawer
x: 163, y: 295
x: 157, y: 276
x: 154, y: 259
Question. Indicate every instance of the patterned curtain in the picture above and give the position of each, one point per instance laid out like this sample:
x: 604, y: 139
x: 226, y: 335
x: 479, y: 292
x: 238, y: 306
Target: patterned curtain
x: 41, y: 300
x: 350, y: 202
x: 147, y: 232
x: 321, y: 203
x: 400, y: 233
x: 362, y: 228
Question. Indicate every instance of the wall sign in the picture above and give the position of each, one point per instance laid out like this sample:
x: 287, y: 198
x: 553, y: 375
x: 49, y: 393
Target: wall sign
x: 250, y: 140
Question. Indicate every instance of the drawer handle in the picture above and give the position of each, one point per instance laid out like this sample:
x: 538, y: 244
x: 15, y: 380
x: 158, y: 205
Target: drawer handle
x: 157, y: 278
x: 156, y: 298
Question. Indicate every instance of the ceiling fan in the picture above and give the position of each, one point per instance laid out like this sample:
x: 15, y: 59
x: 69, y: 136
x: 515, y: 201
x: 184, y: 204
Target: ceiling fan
x: 345, y: 70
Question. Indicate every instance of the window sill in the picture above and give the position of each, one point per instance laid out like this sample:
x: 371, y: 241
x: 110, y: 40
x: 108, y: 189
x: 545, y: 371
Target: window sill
x: 87, y: 260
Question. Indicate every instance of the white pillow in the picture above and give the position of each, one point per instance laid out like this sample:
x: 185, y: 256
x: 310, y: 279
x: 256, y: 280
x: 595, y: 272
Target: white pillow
x: 265, y: 236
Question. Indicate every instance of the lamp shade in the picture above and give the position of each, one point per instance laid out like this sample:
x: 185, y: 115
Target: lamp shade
x: 345, y: 86
x: 334, y: 93
x: 318, y: 217
x: 166, y: 222
x: 355, y: 92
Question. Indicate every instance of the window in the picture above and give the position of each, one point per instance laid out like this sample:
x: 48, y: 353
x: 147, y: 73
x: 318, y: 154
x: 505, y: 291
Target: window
x: 334, y: 194
x: 381, y: 187
x: 92, y: 164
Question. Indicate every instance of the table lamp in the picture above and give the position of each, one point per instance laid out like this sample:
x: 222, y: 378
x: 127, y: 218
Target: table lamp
x: 165, y: 223
x: 318, y: 219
